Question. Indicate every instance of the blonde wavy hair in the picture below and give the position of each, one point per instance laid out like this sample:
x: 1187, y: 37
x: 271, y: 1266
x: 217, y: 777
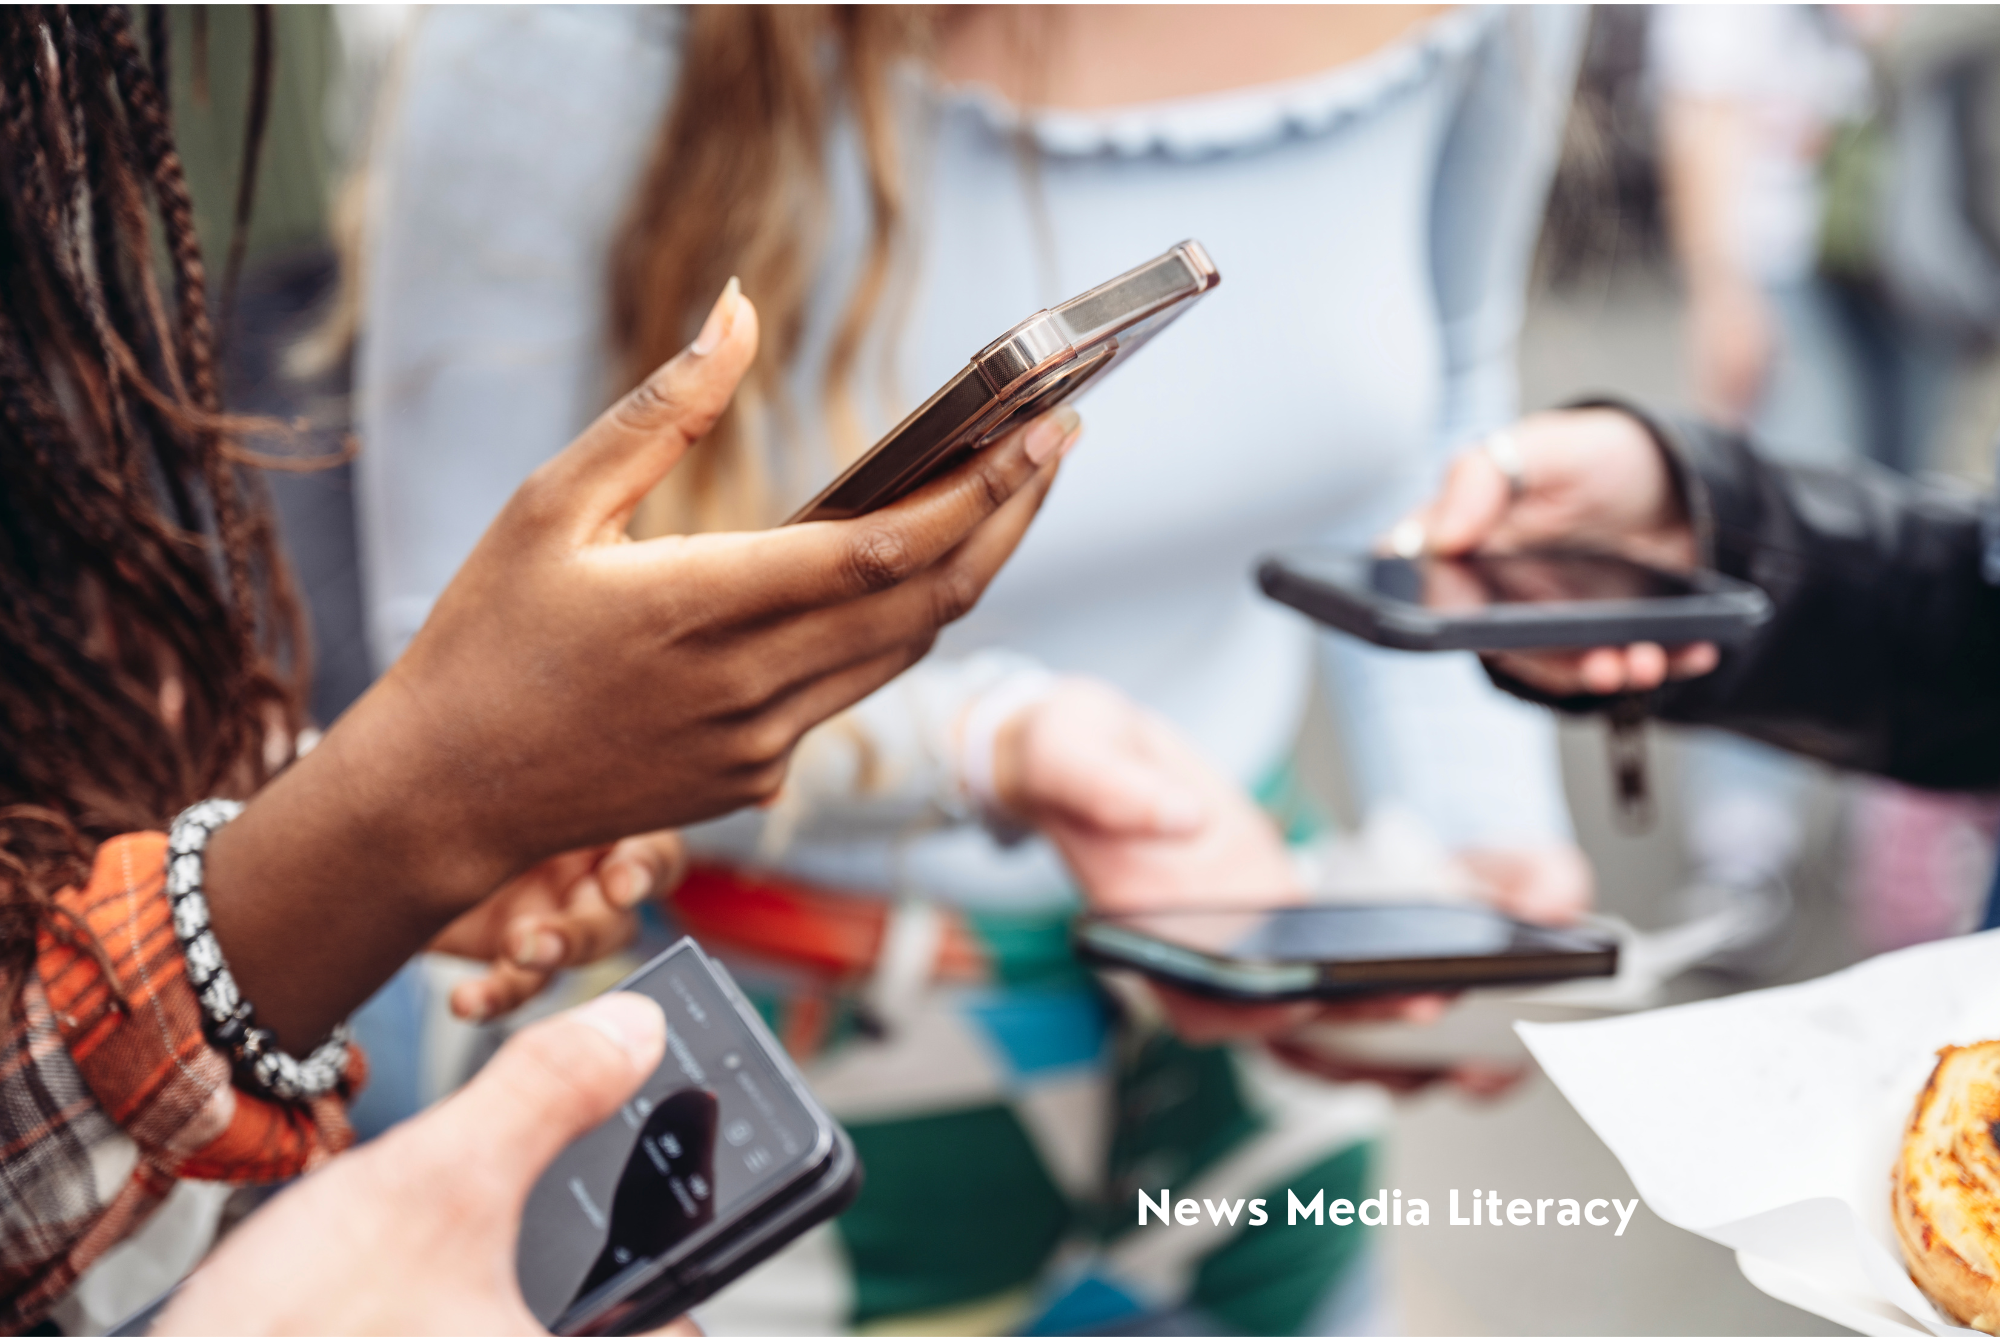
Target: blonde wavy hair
x: 737, y: 185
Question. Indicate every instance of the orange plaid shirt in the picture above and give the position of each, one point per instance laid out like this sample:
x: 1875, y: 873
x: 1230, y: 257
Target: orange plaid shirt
x: 109, y: 1091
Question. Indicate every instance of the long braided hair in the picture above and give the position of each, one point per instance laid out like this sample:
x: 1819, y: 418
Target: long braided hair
x: 151, y: 649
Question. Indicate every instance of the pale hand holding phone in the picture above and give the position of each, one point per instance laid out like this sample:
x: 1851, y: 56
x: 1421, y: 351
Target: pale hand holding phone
x: 1588, y: 479
x: 1144, y: 823
x: 414, y: 1233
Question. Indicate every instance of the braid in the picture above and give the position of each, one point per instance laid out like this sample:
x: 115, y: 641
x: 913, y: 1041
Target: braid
x: 150, y: 643
x: 241, y: 532
x: 241, y: 519
x: 159, y: 52
x: 262, y: 62
x: 146, y: 108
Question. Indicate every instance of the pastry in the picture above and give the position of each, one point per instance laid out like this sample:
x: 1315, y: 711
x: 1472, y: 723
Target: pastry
x: 1946, y: 1197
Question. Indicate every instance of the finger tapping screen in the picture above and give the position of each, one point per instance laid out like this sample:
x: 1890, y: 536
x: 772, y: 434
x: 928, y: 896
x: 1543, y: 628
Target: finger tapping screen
x: 716, y: 1127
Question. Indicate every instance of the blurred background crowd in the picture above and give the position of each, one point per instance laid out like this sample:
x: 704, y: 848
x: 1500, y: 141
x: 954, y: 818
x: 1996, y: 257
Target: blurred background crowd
x: 1780, y: 217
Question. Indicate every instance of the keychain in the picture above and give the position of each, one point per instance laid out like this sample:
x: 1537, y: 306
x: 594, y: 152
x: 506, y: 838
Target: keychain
x: 1625, y: 741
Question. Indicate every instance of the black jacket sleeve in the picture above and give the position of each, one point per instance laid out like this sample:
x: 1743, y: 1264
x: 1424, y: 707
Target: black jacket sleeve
x: 1883, y: 651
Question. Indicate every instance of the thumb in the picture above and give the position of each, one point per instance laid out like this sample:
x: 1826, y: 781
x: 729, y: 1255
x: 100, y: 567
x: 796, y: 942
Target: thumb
x: 1469, y: 508
x: 550, y: 1084
x: 1121, y: 792
x: 602, y: 475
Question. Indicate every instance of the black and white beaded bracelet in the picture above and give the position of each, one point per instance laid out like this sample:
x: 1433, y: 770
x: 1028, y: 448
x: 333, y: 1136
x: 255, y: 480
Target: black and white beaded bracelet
x: 227, y: 1019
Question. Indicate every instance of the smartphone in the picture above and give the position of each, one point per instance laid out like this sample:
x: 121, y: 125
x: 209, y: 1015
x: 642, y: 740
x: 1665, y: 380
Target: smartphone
x: 1338, y: 951
x: 1554, y: 598
x: 722, y: 1158
x: 1046, y: 360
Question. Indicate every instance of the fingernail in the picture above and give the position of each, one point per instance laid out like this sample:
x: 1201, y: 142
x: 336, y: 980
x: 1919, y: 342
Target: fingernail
x: 720, y: 318
x: 627, y: 883
x: 1045, y: 439
x: 538, y: 949
x: 1407, y: 540
x: 635, y: 1023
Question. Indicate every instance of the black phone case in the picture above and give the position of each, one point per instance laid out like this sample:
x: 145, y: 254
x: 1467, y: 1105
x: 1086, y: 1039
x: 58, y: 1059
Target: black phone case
x: 1721, y: 610
x: 1353, y: 979
x: 816, y: 1197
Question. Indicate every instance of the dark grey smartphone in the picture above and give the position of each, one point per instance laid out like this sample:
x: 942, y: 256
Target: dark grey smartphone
x: 722, y: 1158
x: 1336, y: 951
x: 1499, y: 602
x: 1046, y: 360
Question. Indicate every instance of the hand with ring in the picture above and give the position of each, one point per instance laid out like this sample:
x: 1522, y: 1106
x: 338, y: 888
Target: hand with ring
x: 1589, y: 479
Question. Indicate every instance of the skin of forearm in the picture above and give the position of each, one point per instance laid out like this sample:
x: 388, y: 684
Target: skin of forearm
x: 347, y: 864
x: 1701, y: 142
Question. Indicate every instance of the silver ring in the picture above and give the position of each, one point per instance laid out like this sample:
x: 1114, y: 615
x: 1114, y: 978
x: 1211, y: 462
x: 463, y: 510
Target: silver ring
x: 1407, y: 539
x: 1505, y: 454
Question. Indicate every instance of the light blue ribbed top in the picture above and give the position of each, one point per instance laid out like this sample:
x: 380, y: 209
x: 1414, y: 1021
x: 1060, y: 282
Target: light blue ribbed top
x: 1373, y: 226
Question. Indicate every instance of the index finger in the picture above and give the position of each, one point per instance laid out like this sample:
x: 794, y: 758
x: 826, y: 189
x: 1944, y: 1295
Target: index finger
x: 817, y: 564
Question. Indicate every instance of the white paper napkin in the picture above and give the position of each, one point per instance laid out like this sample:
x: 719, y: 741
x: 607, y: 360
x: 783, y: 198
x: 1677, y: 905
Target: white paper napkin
x: 1769, y: 1122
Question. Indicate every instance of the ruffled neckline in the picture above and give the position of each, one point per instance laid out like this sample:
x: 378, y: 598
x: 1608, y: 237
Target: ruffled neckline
x: 1235, y: 120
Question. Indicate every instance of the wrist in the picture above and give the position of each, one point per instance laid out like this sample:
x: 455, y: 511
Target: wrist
x: 342, y: 868
x: 1010, y: 744
x: 992, y: 737
x: 420, y: 801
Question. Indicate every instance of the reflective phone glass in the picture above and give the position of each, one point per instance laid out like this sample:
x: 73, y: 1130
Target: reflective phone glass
x: 1477, y: 581
x: 1329, y: 933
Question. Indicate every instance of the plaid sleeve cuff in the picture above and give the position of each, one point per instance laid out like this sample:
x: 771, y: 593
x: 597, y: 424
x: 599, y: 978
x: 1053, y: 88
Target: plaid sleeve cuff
x: 107, y: 1051
x: 133, y: 1026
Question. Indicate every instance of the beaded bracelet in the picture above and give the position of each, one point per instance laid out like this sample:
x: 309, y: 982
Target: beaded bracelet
x: 227, y: 1019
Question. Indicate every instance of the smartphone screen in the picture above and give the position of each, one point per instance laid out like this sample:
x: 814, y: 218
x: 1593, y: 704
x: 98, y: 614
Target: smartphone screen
x: 717, y: 1128
x: 1557, y: 598
x: 1317, y: 949
x: 1480, y: 581
x: 1325, y: 933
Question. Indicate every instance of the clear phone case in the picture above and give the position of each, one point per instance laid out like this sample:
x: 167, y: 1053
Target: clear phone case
x: 1046, y: 360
